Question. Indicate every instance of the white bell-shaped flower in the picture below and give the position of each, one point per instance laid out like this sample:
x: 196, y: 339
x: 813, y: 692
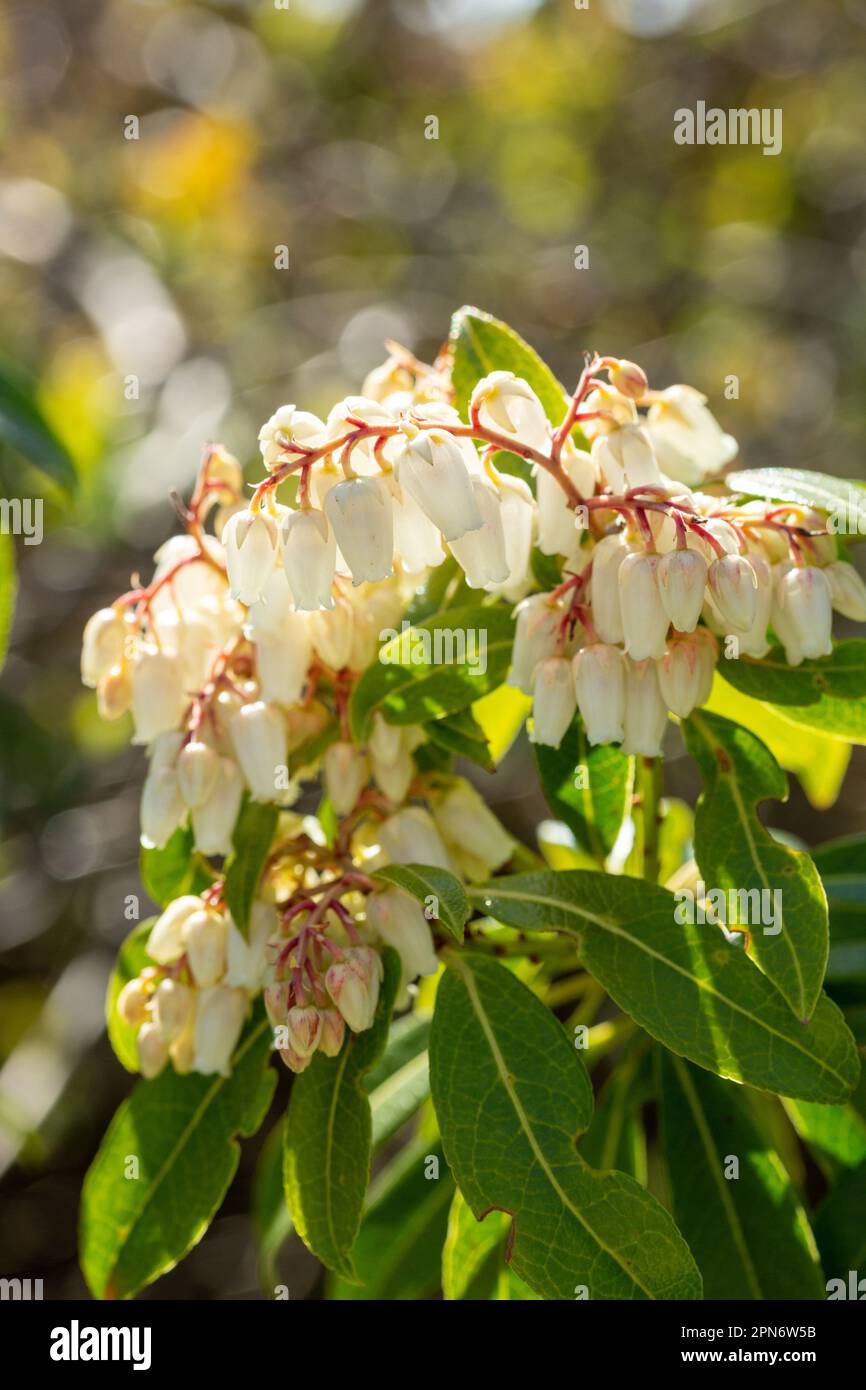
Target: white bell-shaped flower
x: 417, y: 541
x: 646, y: 714
x: 536, y: 634
x: 410, y: 837
x: 162, y: 808
x: 394, y: 778
x: 599, y: 678
x: 258, y: 732
x: 158, y: 696
x: 847, y: 590
x: 101, y: 645
x: 247, y: 958
x: 554, y: 701
x: 385, y: 740
x: 331, y: 634
x: 362, y: 520
x: 286, y: 426
x: 733, y: 586
x: 205, y: 935
x: 517, y: 510
x: 283, y: 662
x: 432, y: 469
x: 400, y: 922
x: 345, y: 776
x: 690, y: 444
x: 685, y: 674
x: 507, y: 403
x: 165, y: 943
x: 214, y: 820
x: 219, y: 1018
x: 368, y: 412
x: 469, y: 826
x: 644, y: 620
x: 309, y: 558
x: 481, y: 553
x: 197, y: 772
x: 753, y: 641
x: 803, y: 595
x: 604, y: 595
x: 682, y: 579
x: 557, y: 521
x: 634, y: 460
x: 250, y: 541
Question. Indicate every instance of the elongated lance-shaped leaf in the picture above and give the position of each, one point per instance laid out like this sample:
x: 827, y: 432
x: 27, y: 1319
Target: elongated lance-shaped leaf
x: 165, y: 1165
x: 731, y: 1196
x: 511, y: 1097
x: 685, y: 984
x: 398, y: 1251
x: 8, y: 591
x: 328, y: 1137
x: 616, y: 1137
x: 827, y: 693
x: 586, y: 787
x: 251, y: 846
x: 773, y: 891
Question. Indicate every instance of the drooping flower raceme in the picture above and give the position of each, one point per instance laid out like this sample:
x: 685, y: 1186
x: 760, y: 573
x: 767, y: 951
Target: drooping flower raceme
x: 245, y: 663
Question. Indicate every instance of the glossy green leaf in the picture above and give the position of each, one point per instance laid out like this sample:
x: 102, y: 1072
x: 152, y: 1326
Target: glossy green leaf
x: 586, y: 787
x: 328, y: 1138
x: 845, y: 496
x: 616, y: 1137
x: 398, y: 1250
x: 24, y: 427
x: 180, y: 1130
x: 509, y: 1124
x: 451, y: 909
x: 313, y: 749
x: 744, y: 1224
x: 836, y: 1134
x: 828, y: 694
x: 462, y: 735
x: 131, y: 960
x: 685, y: 984
x: 175, y: 869
x: 785, y: 912
x: 272, y: 1220
x: 436, y: 668
x: 251, y: 841
x: 818, y: 760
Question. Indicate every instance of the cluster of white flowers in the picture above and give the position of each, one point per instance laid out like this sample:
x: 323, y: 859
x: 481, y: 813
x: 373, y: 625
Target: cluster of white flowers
x: 241, y: 653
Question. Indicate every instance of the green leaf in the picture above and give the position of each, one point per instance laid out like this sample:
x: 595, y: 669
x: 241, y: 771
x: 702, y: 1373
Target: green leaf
x: 251, y: 841
x: 616, y: 1137
x: 312, y: 750
x: 511, y: 1097
x: 439, y: 666
x: 819, y: 490
x: 818, y: 760
x: 746, y: 1227
x: 174, y: 870
x: 469, y: 1245
x: 271, y: 1217
x: 546, y: 569
x: 840, y: 1228
x: 181, y: 1130
x: 398, y: 1250
x: 131, y: 960
x: 828, y: 694
x: 24, y: 428
x: 685, y: 984
x: 594, y: 812
x: 328, y: 1138
x: 737, y: 855
x: 462, y: 734
x: 422, y: 882
x: 482, y: 344
x: 8, y: 592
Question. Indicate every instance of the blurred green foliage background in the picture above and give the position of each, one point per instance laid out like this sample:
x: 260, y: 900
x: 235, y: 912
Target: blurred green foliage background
x: 143, y: 306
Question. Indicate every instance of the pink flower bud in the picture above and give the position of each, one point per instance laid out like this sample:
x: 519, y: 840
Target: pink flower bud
x: 353, y: 984
x: 333, y: 1032
x: 304, y: 1027
x: 295, y: 1061
x: 629, y: 378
